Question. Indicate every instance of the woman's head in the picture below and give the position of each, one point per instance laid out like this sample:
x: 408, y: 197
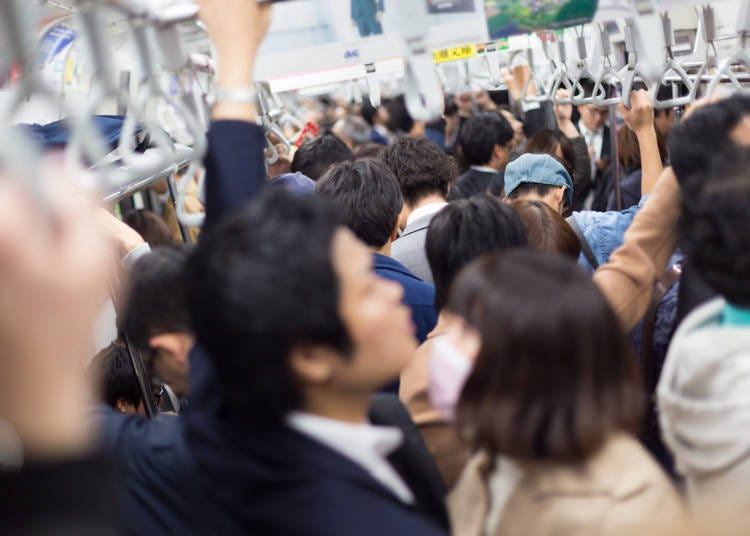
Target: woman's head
x: 553, y: 143
x: 555, y: 375
x: 629, y: 151
x: 546, y: 230
x: 465, y: 230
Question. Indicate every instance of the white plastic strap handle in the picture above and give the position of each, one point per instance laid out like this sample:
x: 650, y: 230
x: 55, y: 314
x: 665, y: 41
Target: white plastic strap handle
x: 492, y: 55
x: 373, y: 84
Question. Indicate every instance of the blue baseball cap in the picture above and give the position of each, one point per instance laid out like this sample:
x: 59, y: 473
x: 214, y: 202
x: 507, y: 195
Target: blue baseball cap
x: 538, y: 169
x: 295, y: 183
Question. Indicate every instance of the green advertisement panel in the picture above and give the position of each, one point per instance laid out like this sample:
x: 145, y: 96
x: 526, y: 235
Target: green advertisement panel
x: 513, y: 17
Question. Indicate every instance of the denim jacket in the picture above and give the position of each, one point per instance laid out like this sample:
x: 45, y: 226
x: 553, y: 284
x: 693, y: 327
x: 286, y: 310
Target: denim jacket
x: 604, y: 231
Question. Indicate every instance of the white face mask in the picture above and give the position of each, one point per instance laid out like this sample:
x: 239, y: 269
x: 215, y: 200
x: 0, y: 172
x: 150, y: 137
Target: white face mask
x: 449, y: 369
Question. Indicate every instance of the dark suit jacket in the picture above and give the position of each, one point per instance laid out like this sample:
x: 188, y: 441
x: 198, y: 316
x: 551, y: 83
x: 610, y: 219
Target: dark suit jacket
x: 418, y: 295
x: 475, y: 182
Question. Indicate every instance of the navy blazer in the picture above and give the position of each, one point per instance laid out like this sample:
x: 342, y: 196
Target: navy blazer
x: 475, y: 182
x: 418, y: 295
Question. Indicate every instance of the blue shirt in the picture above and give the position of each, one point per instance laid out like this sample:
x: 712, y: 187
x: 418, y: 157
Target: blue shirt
x: 418, y: 295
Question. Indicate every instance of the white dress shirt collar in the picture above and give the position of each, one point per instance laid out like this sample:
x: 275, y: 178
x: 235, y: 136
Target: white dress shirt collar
x: 424, y: 210
x: 364, y: 444
x: 485, y: 169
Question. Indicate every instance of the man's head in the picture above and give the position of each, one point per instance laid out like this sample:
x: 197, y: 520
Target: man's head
x: 314, y: 157
x: 286, y: 303
x: 539, y: 177
x: 485, y: 140
x: 465, y: 230
x: 352, y: 130
x: 716, y: 231
x: 593, y: 117
x: 114, y: 375
x: 156, y: 317
x: 422, y: 169
x: 706, y: 132
x: 401, y: 122
x: 368, y: 197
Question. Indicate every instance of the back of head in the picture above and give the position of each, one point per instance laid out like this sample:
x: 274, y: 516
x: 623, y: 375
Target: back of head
x: 156, y: 299
x: 113, y: 372
x: 421, y: 168
x: 716, y: 231
x: 260, y: 284
x: 399, y: 119
x: 315, y: 157
x: 555, y: 376
x: 479, y: 135
x: 553, y: 143
x: 628, y: 148
x: 150, y: 226
x: 352, y: 128
x: 465, y: 230
x: 368, y: 197
x: 546, y: 230
x: 694, y: 142
x: 368, y: 150
x: 368, y: 112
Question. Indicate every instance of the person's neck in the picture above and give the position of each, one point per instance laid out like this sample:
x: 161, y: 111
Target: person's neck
x: 385, y: 250
x: 345, y: 407
x: 429, y: 200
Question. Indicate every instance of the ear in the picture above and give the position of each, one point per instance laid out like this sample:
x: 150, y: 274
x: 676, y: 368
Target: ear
x: 176, y: 345
x: 394, y: 233
x: 500, y: 153
x: 312, y: 364
x: 122, y: 406
x: 402, y: 217
x: 559, y: 196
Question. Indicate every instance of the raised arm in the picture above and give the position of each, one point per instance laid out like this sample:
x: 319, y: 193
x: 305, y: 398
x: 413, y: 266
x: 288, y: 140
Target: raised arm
x: 235, y: 170
x: 640, y: 119
x: 628, y: 278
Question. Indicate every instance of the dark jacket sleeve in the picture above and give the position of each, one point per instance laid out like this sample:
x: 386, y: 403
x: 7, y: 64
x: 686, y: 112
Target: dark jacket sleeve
x: 581, y: 166
x: 66, y: 497
x: 235, y: 168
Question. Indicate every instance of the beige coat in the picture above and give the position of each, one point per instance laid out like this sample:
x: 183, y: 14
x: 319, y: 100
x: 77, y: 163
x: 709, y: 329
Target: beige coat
x: 619, y: 491
x: 441, y: 438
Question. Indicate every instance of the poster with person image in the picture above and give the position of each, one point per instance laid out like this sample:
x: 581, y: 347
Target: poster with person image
x: 513, y: 17
x: 309, y: 36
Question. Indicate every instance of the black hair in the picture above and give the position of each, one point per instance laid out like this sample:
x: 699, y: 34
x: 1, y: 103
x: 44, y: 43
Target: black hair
x: 694, y: 142
x: 114, y: 373
x: 368, y: 112
x: 479, y: 135
x: 262, y: 283
x: 525, y: 188
x: 716, y: 231
x: 400, y: 121
x: 421, y: 168
x: 368, y: 197
x: 465, y: 230
x: 156, y: 298
x: 316, y: 156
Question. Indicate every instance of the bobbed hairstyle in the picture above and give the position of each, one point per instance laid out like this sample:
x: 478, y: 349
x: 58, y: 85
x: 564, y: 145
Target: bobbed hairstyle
x: 555, y: 376
x: 463, y: 231
x: 546, y: 141
x: 546, y: 230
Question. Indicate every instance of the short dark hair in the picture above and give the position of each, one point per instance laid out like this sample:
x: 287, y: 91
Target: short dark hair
x: 546, y: 230
x: 555, y: 376
x: 716, y: 231
x: 262, y: 283
x: 150, y: 226
x: 156, y: 297
x: 465, y: 230
x: 115, y: 376
x: 368, y: 112
x: 421, y: 168
x: 368, y: 150
x: 546, y: 141
x: 399, y: 119
x: 694, y: 141
x: 368, y: 196
x: 479, y: 135
x: 526, y: 188
x: 316, y: 156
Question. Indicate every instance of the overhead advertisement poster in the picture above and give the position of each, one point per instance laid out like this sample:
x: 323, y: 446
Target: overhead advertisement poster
x: 513, y: 17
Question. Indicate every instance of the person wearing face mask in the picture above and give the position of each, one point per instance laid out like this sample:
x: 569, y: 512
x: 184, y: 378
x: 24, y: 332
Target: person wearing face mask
x: 458, y: 234
x: 549, y: 406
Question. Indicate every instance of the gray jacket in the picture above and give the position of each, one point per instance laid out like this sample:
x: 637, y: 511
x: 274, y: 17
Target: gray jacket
x: 409, y: 249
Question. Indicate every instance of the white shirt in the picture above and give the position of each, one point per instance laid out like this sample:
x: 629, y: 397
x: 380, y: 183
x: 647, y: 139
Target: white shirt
x: 364, y: 444
x: 425, y: 210
x: 486, y: 169
x: 595, y: 140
